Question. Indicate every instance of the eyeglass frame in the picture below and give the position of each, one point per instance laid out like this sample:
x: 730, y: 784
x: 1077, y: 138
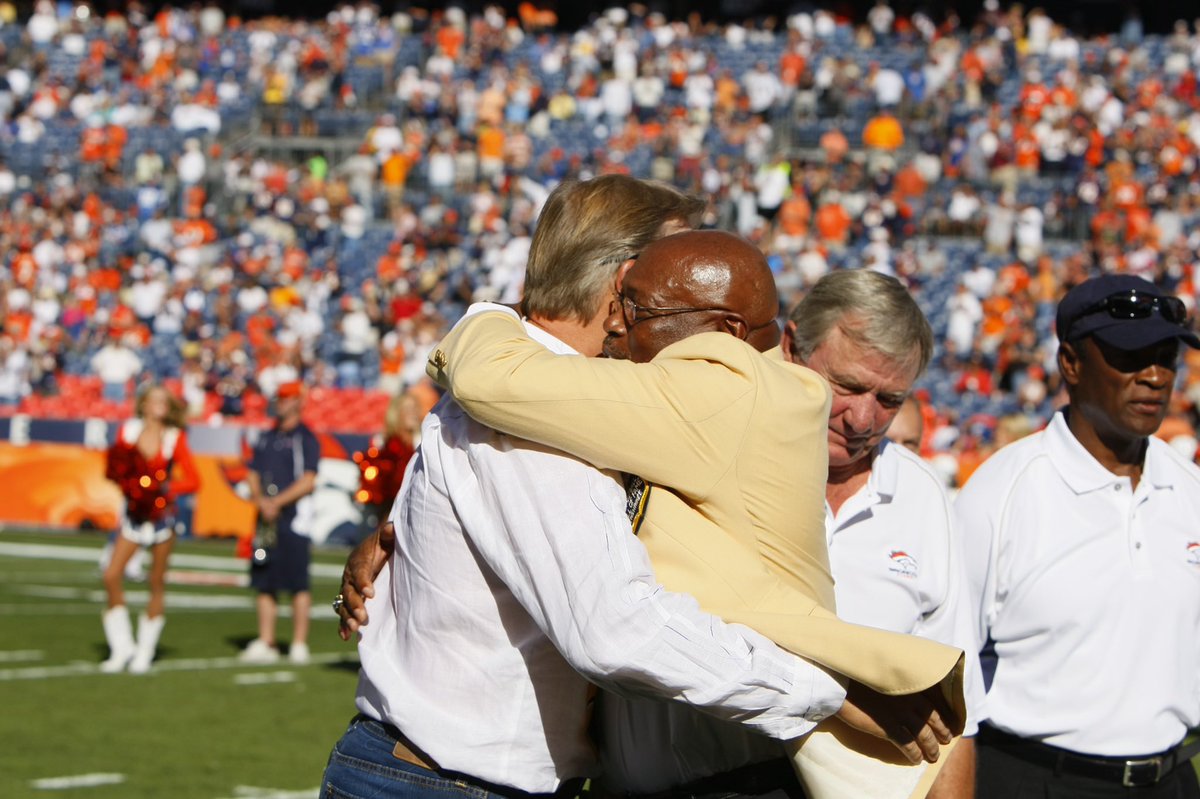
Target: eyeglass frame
x: 675, y: 311
x: 632, y: 313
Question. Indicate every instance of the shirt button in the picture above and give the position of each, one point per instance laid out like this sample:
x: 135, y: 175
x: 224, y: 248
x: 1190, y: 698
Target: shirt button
x: 1138, y: 545
x: 1117, y: 487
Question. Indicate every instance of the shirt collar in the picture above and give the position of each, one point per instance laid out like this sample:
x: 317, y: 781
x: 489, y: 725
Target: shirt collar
x: 536, y: 333
x: 879, y: 488
x: 1083, y: 473
x: 547, y: 340
x: 1155, y: 470
x: 885, y: 471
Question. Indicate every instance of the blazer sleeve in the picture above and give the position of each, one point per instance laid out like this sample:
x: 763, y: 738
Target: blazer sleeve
x: 676, y: 420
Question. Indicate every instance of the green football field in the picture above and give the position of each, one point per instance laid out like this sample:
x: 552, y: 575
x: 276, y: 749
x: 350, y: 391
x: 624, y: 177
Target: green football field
x: 200, y: 724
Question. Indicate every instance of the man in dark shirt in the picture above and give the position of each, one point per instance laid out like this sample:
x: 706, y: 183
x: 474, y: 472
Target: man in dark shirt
x: 283, y: 473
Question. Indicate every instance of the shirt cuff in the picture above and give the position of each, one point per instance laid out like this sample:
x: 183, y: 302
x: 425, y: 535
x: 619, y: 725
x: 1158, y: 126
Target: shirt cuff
x: 817, y: 696
x: 828, y: 691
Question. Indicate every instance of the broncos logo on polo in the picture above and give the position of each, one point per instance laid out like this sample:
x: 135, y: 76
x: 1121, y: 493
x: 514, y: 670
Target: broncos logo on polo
x: 903, y: 564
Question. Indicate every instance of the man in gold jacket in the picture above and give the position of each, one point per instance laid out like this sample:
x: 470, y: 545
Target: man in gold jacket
x: 732, y: 447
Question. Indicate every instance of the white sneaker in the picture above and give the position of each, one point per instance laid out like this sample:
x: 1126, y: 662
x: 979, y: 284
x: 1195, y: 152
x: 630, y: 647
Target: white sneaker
x: 298, y: 654
x: 259, y: 651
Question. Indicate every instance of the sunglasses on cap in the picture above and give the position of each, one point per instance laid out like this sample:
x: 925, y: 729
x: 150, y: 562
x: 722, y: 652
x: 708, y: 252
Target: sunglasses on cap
x: 1132, y: 304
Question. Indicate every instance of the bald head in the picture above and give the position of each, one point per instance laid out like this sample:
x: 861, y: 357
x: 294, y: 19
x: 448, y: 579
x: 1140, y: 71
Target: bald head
x: 694, y: 282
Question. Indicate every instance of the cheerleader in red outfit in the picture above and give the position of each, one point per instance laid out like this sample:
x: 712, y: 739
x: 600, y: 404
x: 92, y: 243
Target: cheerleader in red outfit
x: 148, y: 448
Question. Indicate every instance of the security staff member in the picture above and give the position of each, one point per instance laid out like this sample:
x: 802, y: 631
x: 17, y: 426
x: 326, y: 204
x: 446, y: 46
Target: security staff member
x: 283, y: 473
x: 1082, y: 560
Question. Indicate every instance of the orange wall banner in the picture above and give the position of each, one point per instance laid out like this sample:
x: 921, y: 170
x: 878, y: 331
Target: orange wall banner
x: 218, y: 510
x: 59, y: 485
x: 63, y: 485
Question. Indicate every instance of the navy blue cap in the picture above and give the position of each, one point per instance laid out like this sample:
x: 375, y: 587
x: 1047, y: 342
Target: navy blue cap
x: 1074, y: 321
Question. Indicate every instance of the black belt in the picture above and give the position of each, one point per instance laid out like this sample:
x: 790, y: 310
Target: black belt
x: 568, y: 789
x: 751, y: 780
x: 1131, y: 772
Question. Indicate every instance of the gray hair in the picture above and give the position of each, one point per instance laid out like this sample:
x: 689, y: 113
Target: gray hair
x: 873, y: 310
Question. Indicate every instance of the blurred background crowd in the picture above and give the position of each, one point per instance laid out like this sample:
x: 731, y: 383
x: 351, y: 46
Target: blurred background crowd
x: 226, y: 205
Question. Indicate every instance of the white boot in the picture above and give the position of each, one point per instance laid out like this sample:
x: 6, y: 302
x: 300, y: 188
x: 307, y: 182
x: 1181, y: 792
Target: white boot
x: 147, y: 641
x: 119, y: 633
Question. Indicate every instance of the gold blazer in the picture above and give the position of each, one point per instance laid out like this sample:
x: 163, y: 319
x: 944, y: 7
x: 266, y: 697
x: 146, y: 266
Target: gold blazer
x: 734, y: 444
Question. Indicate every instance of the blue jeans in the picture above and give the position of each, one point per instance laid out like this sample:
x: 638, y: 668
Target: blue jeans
x: 362, y: 766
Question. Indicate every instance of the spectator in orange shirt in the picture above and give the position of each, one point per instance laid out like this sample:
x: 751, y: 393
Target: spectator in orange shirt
x: 883, y: 132
x: 795, y: 213
x: 388, y: 268
x: 835, y: 145
x: 115, y: 139
x: 833, y: 222
x: 450, y: 38
x: 491, y: 150
x: 260, y: 328
x: 92, y: 144
x: 393, y: 174
x: 791, y: 67
x: 908, y: 182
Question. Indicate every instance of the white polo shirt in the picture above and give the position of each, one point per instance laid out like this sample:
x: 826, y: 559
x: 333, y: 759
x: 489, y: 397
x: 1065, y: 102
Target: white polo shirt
x: 1090, y: 592
x: 897, y: 562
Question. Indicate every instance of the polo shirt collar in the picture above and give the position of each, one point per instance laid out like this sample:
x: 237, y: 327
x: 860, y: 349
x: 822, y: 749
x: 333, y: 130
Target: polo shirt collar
x: 1083, y: 473
x: 885, y: 472
x: 879, y: 488
x: 1156, y: 471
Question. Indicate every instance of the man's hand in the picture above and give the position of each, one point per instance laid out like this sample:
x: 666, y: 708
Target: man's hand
x: 358, y: 578
x: 268, y: 509
x: 915, y: 723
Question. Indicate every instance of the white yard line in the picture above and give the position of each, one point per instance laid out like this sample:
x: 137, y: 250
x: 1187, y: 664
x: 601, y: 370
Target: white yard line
x: 92, y: 553
x: 21, y: 655
x: 81, y: 669
x: 76, y: 781
x: 254, y: 792
x: 264, y: 678
x: 176, y: 600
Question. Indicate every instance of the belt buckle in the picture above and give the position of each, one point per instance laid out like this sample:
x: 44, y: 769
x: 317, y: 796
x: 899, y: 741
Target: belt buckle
x: 1128, y: 779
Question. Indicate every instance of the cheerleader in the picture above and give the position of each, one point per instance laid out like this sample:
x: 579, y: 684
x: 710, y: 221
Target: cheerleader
x: 381, y: 467
x: 148, y: 448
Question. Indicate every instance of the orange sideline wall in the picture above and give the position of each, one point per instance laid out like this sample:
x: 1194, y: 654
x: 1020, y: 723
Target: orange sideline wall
x: 63, y: 485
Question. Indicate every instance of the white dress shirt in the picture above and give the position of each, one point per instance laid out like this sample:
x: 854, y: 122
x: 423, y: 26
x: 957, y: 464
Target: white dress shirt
x: 515, y: 577
x: 1090, y: 591
x: 897, y: 561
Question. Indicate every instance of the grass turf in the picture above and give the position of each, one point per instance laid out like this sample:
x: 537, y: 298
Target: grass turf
x: 200, y: 724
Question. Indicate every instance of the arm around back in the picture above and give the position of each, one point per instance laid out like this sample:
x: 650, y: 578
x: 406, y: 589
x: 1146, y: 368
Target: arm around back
x: 658, y: 420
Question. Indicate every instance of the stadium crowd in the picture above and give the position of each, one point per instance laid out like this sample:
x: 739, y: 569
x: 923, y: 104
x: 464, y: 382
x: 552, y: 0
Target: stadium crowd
x: 233, y: 204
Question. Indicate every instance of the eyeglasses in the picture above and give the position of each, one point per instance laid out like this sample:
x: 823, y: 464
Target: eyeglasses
x: 1134, y: 305
x: 635, y: 313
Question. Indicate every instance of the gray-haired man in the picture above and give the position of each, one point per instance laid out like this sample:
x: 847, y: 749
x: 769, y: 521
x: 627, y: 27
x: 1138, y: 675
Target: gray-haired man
x: 893, y: 547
